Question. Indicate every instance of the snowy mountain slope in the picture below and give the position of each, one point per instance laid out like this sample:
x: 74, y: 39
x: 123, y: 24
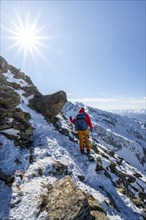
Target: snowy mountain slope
x: 118, y: 186
x: 49, y: 146
x: 139, y: 114
x: 125, y: 136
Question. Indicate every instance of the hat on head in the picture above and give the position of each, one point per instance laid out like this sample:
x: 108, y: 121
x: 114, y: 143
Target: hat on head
x: 82, y: 109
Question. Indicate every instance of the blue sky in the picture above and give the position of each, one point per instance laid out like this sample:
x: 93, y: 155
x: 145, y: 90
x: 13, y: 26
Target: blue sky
x: 93, y: 50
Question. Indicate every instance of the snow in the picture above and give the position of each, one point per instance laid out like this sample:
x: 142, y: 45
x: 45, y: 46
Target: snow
x: 11, y: 131
x: 124, y: 152
x: 5, y: 198
x: 10, y: 156
x: 50, y: 146
x: 11, y: 79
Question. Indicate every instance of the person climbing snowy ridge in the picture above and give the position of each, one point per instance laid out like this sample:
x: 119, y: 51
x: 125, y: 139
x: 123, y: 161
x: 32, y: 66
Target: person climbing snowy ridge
x: 82, y: 122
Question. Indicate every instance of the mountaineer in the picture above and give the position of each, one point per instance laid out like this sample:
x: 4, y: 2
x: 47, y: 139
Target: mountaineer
x: 82, y: 122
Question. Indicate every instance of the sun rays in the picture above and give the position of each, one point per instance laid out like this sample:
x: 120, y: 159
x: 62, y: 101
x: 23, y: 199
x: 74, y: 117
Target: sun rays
x: 27, y: 36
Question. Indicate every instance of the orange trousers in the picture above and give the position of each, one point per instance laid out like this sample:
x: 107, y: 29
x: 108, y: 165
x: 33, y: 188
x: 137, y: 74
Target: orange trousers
x: 84, y: 138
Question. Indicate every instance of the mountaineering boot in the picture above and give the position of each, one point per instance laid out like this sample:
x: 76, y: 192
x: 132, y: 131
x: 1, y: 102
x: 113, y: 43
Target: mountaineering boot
x: 82, y: 151
x: 90, y: 158
x: 88, y: 152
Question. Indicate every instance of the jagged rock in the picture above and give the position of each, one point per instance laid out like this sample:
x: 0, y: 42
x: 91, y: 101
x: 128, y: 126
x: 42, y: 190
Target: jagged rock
x: 19, y: 75
x: 59, y: 168
x: 3, y: 65
x: 66, y: 201
x: 49, y: 105
x: 122, y: 190
x: 58, y: 125
x: 64, y: 131
x: 15, y: 85
x: 111, y: 153
x: 96, y: 210
x: 30, y: 89
x: 107, y: 174
x: 95, y: 148
x: 112, y: 167
x: 138, y: 175
x: 21, y: 125
x: 131, y: 179
x: 19, y: 115
x: 11, y: 116
x: 98, y: 167
x: 138, y: 202
x: 81, y: 177
x: 9, y: 99
x: 142, y: 195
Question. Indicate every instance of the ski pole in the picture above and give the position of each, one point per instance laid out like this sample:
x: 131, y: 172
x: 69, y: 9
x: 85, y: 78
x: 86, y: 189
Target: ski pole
x: 92, y: 134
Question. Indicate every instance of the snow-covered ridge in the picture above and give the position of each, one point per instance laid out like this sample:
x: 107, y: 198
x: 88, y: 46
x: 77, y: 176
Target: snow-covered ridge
x: 54, y: 152
x: 123, y: 135
x: 49, y: 146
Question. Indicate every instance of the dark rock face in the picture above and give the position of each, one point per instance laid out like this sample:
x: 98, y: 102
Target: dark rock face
x: 3, y: 65
x: 12, y: 116
x: 9, y: 99
x: 66, y: 201
x: 49, y: 105
x: 14, y: 123
x: 16, y: 119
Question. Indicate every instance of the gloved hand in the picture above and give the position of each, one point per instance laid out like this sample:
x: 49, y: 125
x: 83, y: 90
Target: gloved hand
x: 91, y: 129
x: 70, y: 118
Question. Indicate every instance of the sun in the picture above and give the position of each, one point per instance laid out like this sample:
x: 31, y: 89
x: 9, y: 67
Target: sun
x: 27, y: 36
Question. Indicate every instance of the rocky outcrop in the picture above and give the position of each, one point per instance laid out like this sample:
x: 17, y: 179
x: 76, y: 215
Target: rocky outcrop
x: 49, y: 105
x: 14, y: 123
x: 15, y: 126
x: 30, y: 89
x: 64, y: 200
x: 3, y: 65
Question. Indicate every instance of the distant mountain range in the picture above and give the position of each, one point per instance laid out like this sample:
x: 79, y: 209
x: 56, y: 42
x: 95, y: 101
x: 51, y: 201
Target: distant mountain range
x: 139, y: 114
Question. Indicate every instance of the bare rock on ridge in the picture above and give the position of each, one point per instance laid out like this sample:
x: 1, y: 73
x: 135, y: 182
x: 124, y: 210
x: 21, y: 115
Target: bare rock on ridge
x: 66, y: 201
x: 49, y: 105
x: 3, y: 65
x: 12, y: 118
x: 30, y: 89
x: 14, y: 123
